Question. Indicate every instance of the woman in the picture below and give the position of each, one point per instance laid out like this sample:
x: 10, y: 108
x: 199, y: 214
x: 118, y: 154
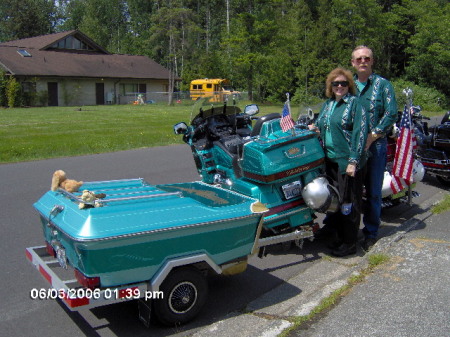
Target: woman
x: 343, y: 126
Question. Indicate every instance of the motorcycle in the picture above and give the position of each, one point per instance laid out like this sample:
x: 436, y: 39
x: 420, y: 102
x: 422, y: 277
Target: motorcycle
x: 253, y: 156
x: 433, y: 145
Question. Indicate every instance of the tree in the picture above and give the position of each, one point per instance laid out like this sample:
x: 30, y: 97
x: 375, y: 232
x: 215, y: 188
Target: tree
x: 172, y: 25
x: 71, y: 13
x: 105, y: 22
x: 20, y: 19
x: 429, y: 47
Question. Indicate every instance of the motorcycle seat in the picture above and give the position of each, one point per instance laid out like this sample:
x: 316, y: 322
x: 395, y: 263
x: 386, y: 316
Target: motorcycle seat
x: 233, y: 144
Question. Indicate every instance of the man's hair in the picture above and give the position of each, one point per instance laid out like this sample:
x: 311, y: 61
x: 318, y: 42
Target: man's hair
x: 335, y: 73
x: 362, y: 47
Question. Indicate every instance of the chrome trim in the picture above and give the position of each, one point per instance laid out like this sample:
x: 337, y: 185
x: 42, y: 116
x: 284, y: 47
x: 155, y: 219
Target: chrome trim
x: 113, y: 181
x: 150, y: 231
x: 296, y: 235
x: 161, y: 275
x: 106, y: 201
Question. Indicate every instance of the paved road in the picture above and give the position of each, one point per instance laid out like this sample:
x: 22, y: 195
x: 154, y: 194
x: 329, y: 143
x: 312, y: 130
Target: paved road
x: 409, y: 295
x: 22, y: 184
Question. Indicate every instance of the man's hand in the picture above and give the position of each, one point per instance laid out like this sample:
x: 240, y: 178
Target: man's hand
x: 351, y: 170
x: 370, y: 139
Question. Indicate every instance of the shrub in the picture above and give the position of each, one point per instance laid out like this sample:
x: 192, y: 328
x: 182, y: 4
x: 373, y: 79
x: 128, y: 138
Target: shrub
x: 13, y: 92
x: 42, y: 98
x: 429, y: 99
x: 3, y: 85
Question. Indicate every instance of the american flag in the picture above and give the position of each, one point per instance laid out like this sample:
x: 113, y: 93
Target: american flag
x: 286, y: 121
x: 402, y: 171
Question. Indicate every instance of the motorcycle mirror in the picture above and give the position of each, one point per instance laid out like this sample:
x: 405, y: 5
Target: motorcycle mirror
x: 310, y: 114
x: 180, y: 128
x: 251, y: 109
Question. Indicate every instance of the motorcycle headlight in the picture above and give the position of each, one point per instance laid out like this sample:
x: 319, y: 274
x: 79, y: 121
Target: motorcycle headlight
x: 321, y: 196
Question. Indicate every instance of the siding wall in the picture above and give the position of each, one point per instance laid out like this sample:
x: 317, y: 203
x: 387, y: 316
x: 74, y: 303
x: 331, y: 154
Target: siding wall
x: 72, y: 92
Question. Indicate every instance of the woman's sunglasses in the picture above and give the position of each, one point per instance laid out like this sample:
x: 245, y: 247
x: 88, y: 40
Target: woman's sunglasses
x: 339, y: 83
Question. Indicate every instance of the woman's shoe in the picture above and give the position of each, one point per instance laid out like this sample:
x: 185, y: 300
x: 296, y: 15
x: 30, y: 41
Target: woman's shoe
x: 325, y: 232
x: 335, y: 244
x: 344, y: 250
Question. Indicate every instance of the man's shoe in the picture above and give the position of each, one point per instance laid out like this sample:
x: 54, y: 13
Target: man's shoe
x: 368, y: 243
x: 344, y: 250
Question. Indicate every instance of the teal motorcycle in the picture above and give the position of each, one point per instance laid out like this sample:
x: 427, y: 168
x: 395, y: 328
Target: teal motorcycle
x: 253, y: 156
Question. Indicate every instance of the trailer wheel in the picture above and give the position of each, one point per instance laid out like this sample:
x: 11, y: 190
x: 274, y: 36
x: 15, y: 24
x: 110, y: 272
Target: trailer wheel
x: 444, y: 180
x: 184, y: 294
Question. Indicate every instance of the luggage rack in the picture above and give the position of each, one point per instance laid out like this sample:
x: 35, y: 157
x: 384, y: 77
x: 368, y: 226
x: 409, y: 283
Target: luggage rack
x: 123, y: 193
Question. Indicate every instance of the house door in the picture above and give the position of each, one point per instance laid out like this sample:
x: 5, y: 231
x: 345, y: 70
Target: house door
x: 143, y: 90
x: 99, y: 93
x: 52, y: 89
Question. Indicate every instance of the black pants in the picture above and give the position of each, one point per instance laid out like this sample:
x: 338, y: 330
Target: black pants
x: 351, y: 190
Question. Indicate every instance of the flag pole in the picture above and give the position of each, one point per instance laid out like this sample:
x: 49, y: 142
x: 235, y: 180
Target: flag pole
x: 289, y: 107
x: 408, y: 92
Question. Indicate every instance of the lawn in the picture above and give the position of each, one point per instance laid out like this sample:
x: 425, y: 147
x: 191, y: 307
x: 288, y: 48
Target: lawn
x: 39, y: 133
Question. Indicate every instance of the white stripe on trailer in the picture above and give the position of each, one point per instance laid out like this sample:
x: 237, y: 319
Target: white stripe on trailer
x: 70, y: 296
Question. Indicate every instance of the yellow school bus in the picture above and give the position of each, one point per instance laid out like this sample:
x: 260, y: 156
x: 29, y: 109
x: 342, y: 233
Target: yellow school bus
x: 216, y: 88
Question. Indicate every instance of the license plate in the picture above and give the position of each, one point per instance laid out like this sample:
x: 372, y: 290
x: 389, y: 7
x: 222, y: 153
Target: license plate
x: 61, y: 257
x: 292, y: 190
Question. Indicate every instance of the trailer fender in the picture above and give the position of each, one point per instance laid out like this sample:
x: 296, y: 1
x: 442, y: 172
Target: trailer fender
x: 161, y: 275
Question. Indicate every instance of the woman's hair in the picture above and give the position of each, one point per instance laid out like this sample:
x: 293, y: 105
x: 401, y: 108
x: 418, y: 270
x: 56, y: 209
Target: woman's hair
x: 335, y: 73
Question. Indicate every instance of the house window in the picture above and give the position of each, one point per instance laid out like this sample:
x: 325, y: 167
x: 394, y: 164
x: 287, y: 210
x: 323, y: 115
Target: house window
x: 29, y: 86
x: 71, y: 42
x: 24, y: 53
x: 128, y: 88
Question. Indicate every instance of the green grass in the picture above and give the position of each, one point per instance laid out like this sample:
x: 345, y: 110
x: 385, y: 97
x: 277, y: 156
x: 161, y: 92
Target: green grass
x: 40, y: 133
x: 442, y: 206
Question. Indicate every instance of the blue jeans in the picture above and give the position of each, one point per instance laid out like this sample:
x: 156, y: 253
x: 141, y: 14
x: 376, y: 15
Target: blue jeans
x: 373, y: 182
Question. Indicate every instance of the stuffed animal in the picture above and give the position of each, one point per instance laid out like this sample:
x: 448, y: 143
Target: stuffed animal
x: 59, y: 179
x: 90, y: 199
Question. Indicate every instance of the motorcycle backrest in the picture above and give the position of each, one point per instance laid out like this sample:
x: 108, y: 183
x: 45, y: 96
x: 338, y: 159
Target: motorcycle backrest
x: 446, y: 118
x: 261, y: 120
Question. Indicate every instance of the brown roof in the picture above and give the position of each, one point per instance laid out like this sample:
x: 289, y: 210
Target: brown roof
x: 45, y: 41
x: 46, y: 62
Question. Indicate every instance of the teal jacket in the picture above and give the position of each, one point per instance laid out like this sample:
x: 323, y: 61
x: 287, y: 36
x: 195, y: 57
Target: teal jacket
x: 349, y: 125
x: 378, y: 98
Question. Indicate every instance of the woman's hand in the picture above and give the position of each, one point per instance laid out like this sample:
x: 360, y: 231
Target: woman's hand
x: 351, y: 170
x: 313, y: 127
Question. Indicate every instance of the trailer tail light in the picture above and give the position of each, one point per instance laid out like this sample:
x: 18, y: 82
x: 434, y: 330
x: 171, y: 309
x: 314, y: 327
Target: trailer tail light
x: 50, y: 250
x: 88, y: 282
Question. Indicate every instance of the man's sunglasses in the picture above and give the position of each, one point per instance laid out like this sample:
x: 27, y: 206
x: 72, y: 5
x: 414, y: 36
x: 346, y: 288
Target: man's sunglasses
x: 341, y: 83
x: 362, y: 59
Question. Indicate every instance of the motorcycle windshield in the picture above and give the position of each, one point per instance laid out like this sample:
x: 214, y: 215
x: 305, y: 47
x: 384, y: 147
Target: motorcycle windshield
x: 205, y: 108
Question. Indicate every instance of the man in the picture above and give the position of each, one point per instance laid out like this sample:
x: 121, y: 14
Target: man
x: 377, y: 96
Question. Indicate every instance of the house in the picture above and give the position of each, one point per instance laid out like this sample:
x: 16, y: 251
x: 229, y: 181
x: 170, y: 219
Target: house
x: 68, y: 68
